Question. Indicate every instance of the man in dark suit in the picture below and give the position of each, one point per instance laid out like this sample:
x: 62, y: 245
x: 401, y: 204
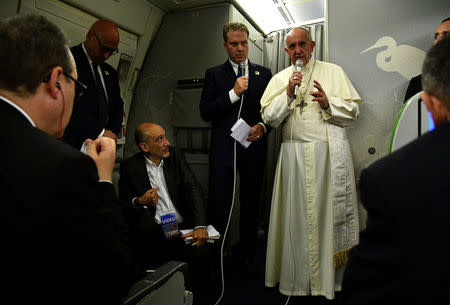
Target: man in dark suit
x: 402, y: 257
x: 98, y: 110
x: 415, y: 85
x: 63, y: 238
x: 226, y: 97
x: 155, y: 182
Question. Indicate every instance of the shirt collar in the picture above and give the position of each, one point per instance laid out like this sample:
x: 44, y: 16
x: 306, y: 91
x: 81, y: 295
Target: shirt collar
x: 310, y: 64
x: 87, y: 55
x: 153, y: 165
x: 236, y: 66
x: 19, y: 109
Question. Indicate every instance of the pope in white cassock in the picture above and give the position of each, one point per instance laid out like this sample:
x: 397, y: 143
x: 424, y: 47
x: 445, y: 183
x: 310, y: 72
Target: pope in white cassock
x: 314, y: 216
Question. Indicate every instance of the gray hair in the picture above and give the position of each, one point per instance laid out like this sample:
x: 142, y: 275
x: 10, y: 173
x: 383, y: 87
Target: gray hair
x: 436, y: 72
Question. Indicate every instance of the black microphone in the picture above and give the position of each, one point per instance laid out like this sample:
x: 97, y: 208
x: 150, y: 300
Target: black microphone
x: 298, y: 67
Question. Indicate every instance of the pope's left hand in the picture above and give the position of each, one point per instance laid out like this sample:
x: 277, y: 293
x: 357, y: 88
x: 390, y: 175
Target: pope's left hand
x: 319, y: 95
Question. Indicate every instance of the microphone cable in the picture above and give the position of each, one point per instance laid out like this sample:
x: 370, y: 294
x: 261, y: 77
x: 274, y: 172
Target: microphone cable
x: 242, y: 66
x: 298, y: 66
x: 291, y: 212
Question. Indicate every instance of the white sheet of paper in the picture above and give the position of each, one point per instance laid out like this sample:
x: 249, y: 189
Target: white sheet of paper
x: 240, y: 131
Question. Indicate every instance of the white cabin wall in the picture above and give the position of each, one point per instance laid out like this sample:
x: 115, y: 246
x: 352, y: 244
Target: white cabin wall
x: 356, y: 25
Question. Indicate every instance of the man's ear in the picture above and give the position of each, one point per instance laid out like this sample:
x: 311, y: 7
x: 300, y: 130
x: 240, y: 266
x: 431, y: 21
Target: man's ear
x: 54, y: 83
x: 429, y: 101
x: 435, y: 107
x: 144, y: 147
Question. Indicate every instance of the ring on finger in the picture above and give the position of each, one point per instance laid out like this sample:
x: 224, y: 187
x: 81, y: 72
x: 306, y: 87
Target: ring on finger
x: 295, y: 77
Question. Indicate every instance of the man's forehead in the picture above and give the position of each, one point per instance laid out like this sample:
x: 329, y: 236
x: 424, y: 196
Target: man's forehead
x: 235, y: 33
x: 156, y: 131
x: 445, y: 26
x: 297, y: 35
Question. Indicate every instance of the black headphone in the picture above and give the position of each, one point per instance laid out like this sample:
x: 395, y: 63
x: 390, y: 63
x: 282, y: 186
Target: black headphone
x: 58, y: 85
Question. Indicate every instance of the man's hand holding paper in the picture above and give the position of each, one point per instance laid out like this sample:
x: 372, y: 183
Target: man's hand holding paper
x: 240, y: 132
x: 198, y: 236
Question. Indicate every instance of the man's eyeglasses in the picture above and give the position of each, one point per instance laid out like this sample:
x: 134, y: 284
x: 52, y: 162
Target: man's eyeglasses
x: 440, y: 35
x: 80, y: 88
x: 104, y: 48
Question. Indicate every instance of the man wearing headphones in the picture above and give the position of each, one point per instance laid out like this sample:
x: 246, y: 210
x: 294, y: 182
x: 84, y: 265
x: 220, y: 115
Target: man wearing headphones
x: 63, y: 236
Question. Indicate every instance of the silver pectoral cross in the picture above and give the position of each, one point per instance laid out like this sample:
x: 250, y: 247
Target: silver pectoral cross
x: 302, y: 105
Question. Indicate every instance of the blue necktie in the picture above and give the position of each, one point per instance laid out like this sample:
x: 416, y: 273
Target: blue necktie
x: 239, y: 74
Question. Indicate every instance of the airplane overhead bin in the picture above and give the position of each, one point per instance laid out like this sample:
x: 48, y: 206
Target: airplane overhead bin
x: 75, y: 20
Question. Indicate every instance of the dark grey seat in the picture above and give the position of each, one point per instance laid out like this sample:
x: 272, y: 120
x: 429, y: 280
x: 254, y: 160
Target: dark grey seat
x: 166, y: 285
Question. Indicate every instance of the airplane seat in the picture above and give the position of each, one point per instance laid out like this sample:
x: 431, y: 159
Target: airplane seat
x: 191, y: 133
x: 166, y: 285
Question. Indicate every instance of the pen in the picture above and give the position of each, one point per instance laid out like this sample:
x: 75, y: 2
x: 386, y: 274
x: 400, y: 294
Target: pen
x: 194, y: 244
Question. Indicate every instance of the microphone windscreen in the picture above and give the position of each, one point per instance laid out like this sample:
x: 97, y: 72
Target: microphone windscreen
x: 242, y: 66
x: 298, y: 65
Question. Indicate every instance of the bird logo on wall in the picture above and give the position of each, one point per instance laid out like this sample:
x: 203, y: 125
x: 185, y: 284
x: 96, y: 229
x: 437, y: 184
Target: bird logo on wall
x: 404, y: 59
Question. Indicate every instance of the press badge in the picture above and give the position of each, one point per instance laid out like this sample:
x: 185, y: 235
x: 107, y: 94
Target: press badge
x: 170, y: 225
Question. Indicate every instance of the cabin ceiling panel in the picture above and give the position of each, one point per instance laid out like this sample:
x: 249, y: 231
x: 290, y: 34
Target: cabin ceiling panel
x: 174, y: 5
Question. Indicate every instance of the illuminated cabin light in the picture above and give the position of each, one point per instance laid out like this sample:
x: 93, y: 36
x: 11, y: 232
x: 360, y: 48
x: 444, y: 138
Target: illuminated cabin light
x: 430, y: 122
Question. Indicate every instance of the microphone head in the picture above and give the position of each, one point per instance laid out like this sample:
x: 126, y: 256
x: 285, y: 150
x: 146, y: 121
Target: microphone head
x: 242, y: 67
x: 298, y: 64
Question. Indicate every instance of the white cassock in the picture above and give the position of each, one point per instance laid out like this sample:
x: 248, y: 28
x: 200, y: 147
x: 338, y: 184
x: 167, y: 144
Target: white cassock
x: 313, y: 216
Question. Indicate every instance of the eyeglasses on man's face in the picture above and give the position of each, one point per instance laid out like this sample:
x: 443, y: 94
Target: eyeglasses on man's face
x: 440, y: 35
x: 104, y: 48
x: 80, y: 88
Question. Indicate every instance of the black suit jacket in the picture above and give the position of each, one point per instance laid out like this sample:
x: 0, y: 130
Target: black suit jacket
x: 84, y: 122
x: 215, y: 106
x: 183, y: 188
x: 63, y: 238
x: 414, y: 86
x: 403, y: 255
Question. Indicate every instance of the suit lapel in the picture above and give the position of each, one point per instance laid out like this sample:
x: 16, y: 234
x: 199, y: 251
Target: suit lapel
x: 230, y: 74
x: 106, y: 78
x: 169, y: 178
x: 141, y: 174
x: 251, y: 77
x: 83, y: 66
x: 251, y: 70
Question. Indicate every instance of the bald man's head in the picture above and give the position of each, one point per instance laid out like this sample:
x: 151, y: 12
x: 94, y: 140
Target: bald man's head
x: 151, y: 140
x: 102, y: 40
